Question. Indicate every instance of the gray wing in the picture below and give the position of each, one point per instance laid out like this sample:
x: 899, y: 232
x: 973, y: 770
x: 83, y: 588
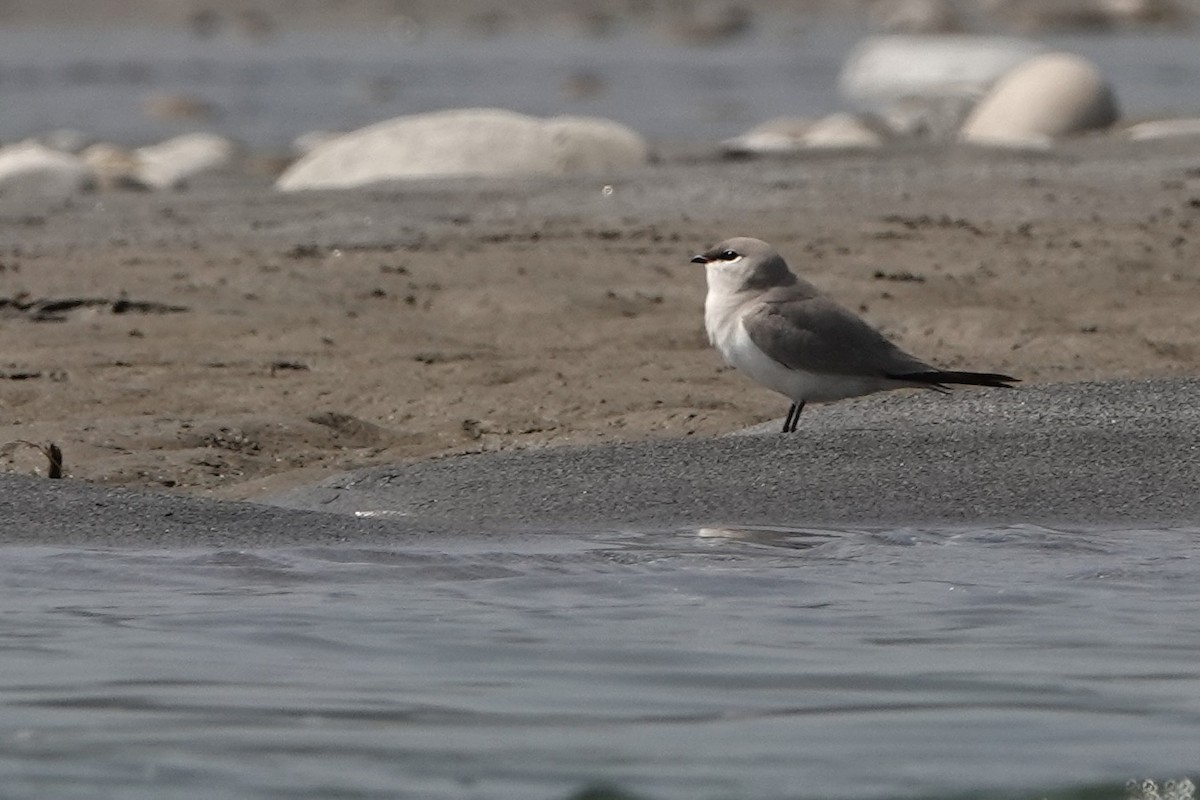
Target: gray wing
x: 805, y: 330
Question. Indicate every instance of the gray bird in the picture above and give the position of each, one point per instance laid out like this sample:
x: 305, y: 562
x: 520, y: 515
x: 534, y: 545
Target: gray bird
x: 785, y: 334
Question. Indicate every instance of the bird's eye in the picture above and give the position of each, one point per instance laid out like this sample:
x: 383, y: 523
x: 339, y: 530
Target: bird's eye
x: 728, y: 255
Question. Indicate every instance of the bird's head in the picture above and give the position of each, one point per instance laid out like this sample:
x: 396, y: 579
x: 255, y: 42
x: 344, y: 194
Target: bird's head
x: 744, y: 264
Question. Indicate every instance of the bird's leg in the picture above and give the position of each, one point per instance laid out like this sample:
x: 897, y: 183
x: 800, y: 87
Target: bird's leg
x: 796, y: 416
x: 792, y: 418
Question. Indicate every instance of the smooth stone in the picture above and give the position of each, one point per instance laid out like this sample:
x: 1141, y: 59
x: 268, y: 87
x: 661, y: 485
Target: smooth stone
x: 1047, y: 97
x: 31, y: 168
x: 843, y: 131
x: 169, y: 164
x: 885, y: 68
x: 593, y: 144
x: 114, y: 167
x: 773, y: 137
x: 305, y: 143
x: 466, y: 142
x: 1164, y: 129
x: 66, y: 140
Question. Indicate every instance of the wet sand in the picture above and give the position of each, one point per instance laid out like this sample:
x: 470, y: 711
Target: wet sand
x: 1088, y: 454
x: 1069, y: 456
x: 324, y: 332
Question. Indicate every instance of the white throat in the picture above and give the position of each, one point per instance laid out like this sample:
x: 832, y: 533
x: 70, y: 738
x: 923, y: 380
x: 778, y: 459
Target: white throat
x: 722, y: 305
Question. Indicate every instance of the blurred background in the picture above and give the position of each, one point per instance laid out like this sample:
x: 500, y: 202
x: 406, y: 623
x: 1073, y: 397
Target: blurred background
x: 275, y: 74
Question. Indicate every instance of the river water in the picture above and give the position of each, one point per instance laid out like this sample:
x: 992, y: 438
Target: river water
x: 266, y: 93
x: 758, y: 663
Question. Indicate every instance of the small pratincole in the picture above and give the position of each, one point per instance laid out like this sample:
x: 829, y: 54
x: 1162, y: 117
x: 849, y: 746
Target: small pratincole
x: 785, y: 334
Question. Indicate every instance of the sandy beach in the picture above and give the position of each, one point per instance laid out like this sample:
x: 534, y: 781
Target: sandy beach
x: 232, y: 341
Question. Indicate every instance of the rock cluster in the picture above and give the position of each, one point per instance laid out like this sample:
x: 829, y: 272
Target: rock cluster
x: 979, y: 90
x: 35, y: 168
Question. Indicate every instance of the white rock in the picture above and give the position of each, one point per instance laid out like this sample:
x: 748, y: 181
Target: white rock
x: 477, y: 141
x: 114, y: 167
x: 1026, y: 141
x: 592, y: 144
x: 305, y: 143
x: 884, y: 68
x: 103, y: 156
x: 1164, y: 129
x: 31, y: 168
x: 844, y: 131
x: 170, y: 164
x: 66, y: 140
x: 1049, y: 96
x: 775, y: 136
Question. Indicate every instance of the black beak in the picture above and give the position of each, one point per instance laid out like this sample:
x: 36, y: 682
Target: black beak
x: 699, y: 260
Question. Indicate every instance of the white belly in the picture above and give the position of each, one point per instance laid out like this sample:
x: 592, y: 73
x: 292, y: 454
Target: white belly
x: 801, y: 386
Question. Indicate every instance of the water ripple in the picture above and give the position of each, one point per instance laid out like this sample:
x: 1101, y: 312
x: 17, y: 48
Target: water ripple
x: 732, y: 661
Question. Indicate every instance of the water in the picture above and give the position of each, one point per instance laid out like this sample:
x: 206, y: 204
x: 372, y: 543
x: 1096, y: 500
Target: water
x: 267, y: 93
x: 681, y: 664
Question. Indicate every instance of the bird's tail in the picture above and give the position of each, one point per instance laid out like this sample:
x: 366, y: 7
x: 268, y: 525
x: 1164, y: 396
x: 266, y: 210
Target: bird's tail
x: 938, y: 379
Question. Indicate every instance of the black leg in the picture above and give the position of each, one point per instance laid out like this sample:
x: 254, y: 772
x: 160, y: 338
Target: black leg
x: 792, y: 418
x: 796, y: 416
